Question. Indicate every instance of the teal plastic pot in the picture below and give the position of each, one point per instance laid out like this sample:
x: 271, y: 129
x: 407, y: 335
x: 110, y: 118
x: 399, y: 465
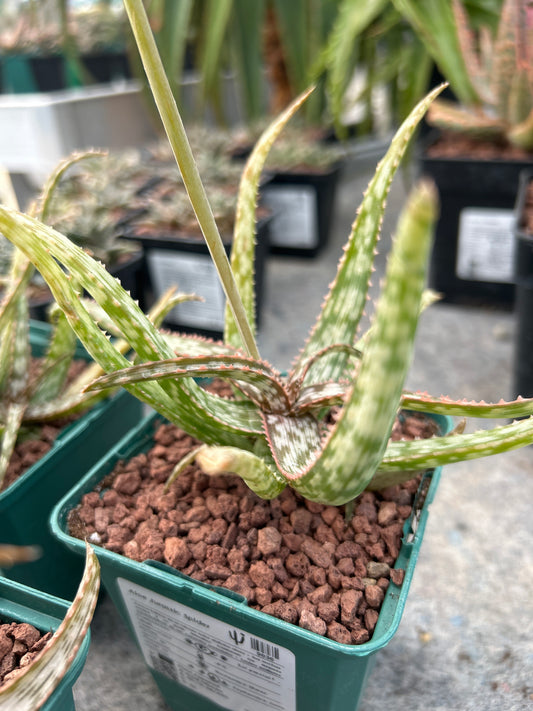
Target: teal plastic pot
x: 26, y: 504
x: 19, y: 603
x: 208, y: 650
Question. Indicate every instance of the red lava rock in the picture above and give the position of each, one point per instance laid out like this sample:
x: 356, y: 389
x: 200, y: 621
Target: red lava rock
x: 387, y: 513
x: 301, y: 520
x: 321, y: 555
x: 339, y: 633
x: 397, y: 575
x: 176, y: 552
x: 311, y: 622
x: 374, y: 596
x: 268, y: 540
x: 127, y: 483
x: 261, y: 575
x: 297, y: 564
x: 297, y: 560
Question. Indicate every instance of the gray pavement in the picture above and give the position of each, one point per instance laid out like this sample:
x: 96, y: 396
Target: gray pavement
x: 465, y: 641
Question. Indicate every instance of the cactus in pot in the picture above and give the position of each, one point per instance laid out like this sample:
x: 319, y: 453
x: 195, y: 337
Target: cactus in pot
x: 273, y: 433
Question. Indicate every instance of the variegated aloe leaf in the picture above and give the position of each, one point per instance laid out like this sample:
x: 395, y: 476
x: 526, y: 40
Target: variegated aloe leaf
x: 16, y: 393
x: 60, y: 352
x: 203, y: 415
x: 264, y: 480
x: 257, y: 380
x: 33, y: 687
x: 402, y: 458
x: 352, y: 453
x: 345, y: 302
x: 243, y: 247
x: 422, y: 402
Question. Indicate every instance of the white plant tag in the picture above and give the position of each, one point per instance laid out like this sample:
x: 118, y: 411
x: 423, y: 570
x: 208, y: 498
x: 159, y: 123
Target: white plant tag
x: 223, y: 663
x: 485, y: 246
x: 192, y: 274
x: 294, y: 215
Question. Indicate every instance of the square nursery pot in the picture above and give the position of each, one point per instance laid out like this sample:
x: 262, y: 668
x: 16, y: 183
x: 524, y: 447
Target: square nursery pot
x: 25, y: 505
x: 523, y: 308
x: 302, y: 206
x: 473, y: 253
x: 208, y: 650
x: 19, y: 603
x: 185, y: 262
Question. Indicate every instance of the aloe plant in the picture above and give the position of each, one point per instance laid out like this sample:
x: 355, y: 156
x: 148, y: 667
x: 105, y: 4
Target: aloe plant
x: 492, y: 73
x: 30, y: 689
x: 274, y: 433
x: 28, y: 400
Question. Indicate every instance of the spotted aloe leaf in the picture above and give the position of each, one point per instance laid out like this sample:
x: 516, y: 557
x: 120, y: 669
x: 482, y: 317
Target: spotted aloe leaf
x: 243, y: 247
x: 195, y: 410
x: 437, y: 451
x: 338, y: 473
x: 422, y: 402
x: 33, y: 687
x: 344, y: 305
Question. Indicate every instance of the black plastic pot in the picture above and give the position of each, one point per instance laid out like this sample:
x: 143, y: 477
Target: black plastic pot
x: 185, y: 262
x: 49, y: 72
x: 523, y: 355
x: 302, y: 209
x: 105, y: 67
x: 473, y: 253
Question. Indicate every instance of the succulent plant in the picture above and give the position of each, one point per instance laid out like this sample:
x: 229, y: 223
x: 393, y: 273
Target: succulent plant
x: 28, y: 399
x: 34, y: 683
x: 496, y: 71
x: 274, y: 432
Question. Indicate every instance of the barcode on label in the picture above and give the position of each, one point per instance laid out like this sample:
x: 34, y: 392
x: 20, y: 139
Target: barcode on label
x: 269, y: 650
x: 164, y: 665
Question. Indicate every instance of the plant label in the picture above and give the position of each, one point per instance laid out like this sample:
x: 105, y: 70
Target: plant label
x: 223, y: 663
x: 191, y: 274
x: 294, y: 215
x: 485, y: 246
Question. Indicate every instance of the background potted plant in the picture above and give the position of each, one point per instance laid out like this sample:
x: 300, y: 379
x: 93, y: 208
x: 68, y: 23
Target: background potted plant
x: 523, y: 232
x: 46, y: 440
x: 485, y: 141
x: 44, y: 641
x: 234, y: 431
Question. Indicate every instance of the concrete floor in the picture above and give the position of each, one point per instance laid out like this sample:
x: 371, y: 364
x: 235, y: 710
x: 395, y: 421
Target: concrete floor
x: 465, y: 641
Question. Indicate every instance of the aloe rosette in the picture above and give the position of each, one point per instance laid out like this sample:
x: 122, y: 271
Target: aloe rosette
x: 273, y: 433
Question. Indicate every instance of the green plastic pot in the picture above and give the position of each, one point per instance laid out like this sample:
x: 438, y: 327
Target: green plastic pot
x: 25, y: 505
x: 19, y: 603
x: 208, y: 650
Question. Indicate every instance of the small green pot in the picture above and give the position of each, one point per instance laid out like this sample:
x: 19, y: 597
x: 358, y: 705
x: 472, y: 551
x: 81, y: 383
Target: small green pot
x: 208, y: 650
x: 25, y: 505
x: 19, y: 603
